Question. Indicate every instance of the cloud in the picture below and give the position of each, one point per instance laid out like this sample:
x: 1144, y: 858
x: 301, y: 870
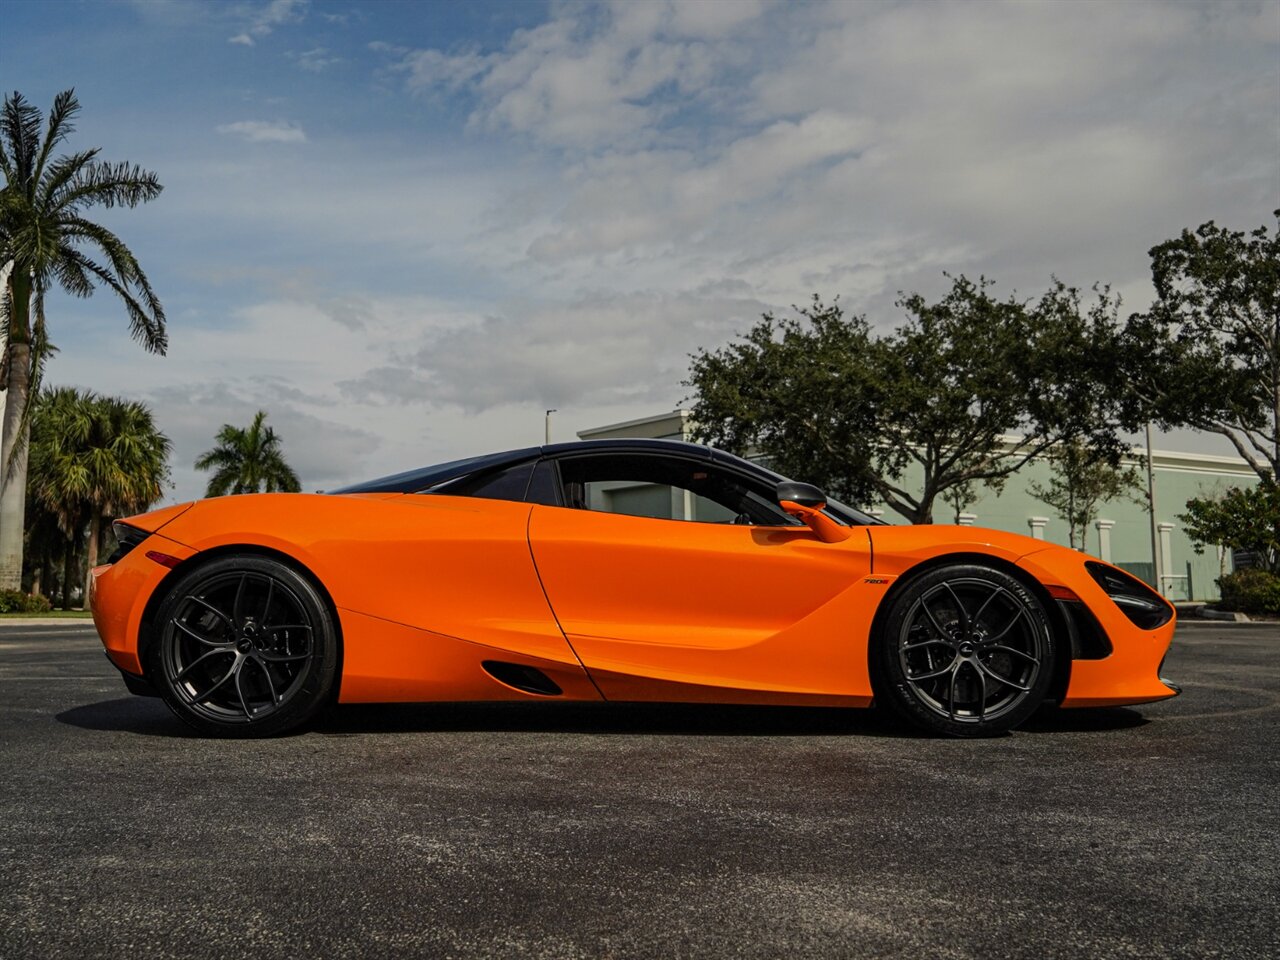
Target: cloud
x: 264, y: 19
x: 592, y: 76
x: 597, y: 350
x: 316, y: 60
x: 264, y: 131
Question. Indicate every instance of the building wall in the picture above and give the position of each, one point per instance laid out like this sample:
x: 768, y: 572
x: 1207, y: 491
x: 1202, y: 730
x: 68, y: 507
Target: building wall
x: 1121, y: 534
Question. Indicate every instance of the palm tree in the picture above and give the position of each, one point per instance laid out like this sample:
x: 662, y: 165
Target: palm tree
x: 248, y: 461
x: 43, y: 240
x: 93, y: 458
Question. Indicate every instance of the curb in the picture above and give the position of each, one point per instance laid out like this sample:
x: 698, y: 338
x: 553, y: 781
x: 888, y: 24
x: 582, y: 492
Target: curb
x: 45, y: 622
x: 1192, y: 611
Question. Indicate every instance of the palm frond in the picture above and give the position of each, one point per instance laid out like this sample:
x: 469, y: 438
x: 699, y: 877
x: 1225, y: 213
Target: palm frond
x: 100, y: 183
x: 65, y: 107
x: 61, y: 174
x: 146, y: 328
x: 20, y: 130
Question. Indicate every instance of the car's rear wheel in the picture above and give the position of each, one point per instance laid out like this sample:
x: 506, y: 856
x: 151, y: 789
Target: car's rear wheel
x: 244, y: 647
x: 964, y: 650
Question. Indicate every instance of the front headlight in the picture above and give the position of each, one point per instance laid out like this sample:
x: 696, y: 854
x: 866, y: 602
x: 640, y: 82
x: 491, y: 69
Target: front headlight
x: 1142, y: 605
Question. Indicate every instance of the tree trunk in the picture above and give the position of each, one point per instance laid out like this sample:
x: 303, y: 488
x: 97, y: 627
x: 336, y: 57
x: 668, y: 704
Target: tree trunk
x: 91, y: 554
x: 68, y: 573
x: 13, y: 468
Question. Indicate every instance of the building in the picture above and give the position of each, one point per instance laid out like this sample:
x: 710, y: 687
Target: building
x: 1121, y: 534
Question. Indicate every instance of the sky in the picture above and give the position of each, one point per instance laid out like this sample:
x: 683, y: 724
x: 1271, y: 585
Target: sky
x: 405, y: 230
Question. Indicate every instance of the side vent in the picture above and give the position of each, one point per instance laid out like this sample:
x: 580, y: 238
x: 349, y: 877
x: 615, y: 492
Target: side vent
x: 528, y: 679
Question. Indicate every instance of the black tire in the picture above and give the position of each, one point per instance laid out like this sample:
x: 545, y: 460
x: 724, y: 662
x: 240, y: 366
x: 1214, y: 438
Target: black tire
x: 963, y: 650
x: 244, y: 646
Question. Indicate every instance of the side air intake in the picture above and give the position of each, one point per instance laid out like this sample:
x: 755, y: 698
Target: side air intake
x: 527, y: 679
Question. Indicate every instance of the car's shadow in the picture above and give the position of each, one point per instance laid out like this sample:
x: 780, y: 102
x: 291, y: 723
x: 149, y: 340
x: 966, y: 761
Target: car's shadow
x: 147, y: 716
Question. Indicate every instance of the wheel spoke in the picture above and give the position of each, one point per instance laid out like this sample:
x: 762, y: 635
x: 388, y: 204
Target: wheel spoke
x: 232, y: 672
x: 277, y: 627
x: 1005, y: 680
x: 275, y: 698
x: 1016, y: 653
x: 982, y: 694
x: 266, y: 607
x: 977, y: 617
x: 207, y: 641
x: 926, y: 643
x: 1012, y: 623
x: 931, y: 675
x: 240, y: 692
x: 237, y: 607
x: 960, y: 610
x: 199, y: 660
x: 951, y: 693
x: 212, y: 609
x: 268, y: 657
x: 924, y: 604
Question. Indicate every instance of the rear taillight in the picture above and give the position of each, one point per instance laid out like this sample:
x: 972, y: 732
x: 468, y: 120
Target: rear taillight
x: 1142, y: 605
x: 127, y: 538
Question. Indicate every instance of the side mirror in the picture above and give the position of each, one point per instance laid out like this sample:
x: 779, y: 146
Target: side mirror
x: 806, y: 502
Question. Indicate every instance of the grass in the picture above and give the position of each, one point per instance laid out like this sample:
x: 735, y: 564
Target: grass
x: 59, y: 614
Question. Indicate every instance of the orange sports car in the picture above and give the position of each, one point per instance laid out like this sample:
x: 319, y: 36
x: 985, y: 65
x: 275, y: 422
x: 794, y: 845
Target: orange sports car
x: 621, y: 570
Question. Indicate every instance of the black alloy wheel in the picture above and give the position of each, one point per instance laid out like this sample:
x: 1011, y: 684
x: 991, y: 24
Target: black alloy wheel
x: 965, y: 650
x: 244, y: 647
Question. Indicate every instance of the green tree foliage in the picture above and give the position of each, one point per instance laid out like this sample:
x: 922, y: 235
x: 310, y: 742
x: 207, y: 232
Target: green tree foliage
x: 1079, y: 482
x: 1208, y: 351
x: 1245, y: 518
x: 968, y: 389
x: 92, y: 459
x: 47, y: 241
x: 248, y: 460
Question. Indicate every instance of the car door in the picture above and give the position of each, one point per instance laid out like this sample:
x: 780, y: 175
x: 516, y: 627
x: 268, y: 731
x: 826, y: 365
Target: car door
x: 711, y: 597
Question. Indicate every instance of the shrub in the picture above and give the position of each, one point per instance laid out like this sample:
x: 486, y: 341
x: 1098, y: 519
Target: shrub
x: 15, y: 601
x: 1251, y: 591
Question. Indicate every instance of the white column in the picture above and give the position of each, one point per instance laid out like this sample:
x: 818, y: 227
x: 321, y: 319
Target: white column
x: 1037, y: 526
x: 1104, y: 538
x: 966, y: 519
x: 1166, y: 551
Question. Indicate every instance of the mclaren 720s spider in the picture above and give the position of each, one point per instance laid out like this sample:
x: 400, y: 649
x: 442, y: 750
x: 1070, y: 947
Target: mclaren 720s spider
x: 620, y: 570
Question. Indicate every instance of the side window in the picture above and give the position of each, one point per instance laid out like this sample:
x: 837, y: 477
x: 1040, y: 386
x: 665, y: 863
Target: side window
x: 508, y: 484
x: 666, y: 488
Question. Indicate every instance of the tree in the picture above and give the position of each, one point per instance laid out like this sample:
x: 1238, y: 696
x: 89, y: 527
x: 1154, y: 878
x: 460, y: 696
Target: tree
x: 248, y: 460
x: 957, y: 498
x: 1079, y: 482
x: 1208, y: 350
x: 44, y: 235
x: 967, y: 390
x: 93, y: 458
x: 1241, y: 519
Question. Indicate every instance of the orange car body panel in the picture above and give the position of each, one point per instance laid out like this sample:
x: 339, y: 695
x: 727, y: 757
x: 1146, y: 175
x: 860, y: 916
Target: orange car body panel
x: 428, y: 587
x: 118, y: 609
x: 752, y: 614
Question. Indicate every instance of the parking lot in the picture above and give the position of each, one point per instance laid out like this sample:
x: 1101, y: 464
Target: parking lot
x: 638, y: 831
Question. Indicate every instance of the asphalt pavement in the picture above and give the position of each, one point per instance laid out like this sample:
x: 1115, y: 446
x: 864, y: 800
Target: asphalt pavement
x: 556, y: 830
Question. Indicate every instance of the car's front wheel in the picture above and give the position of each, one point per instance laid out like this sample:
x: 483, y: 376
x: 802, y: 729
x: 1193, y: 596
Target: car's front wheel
x: 244, y: 647
x: 964, y: 650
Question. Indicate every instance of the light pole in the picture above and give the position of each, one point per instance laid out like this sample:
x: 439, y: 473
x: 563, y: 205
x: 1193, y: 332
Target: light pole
x: 1151, y: 509
x: 548, y: 432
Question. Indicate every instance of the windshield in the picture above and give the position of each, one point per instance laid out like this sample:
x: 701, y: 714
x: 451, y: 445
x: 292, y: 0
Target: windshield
x: 411, y: 481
